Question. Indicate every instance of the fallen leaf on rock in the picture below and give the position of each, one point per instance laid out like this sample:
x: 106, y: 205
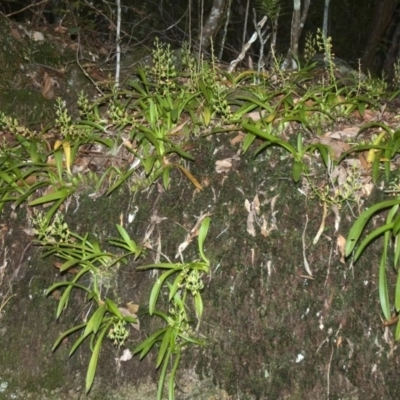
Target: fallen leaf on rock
x: 61, y: 29
x: 37, y: 36
x: 48, y: 87
x: 126, y: 355
x: 127, y: 312
x: 337, y: 146
x: 223, y: 165
x: 343, y: 134
x: 341, y: 244
x: 239, y: 138
x: 15, y: 34
x: 253, y: 209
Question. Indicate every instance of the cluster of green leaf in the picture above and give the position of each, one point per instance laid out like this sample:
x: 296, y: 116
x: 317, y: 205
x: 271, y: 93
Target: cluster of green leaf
x: 314, y: 106
x: 30, y: 166
x: 148, y: 120
x: 178, y: 331
x: 382, y: 151
x: 82, y: 256
x: 151, y: 119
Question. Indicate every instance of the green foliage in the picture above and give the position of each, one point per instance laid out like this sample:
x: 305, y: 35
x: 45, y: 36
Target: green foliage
x: 310, y: 47
x: 151, y: 120
x: 163, y: 69
x: 396, y: 68
x: 83, y: 257
x: 299, y: 166
x: 389, y: 230
x: 28, y: 166
x: 177, y: 333
x: 311, y: 110
x: 270, y: 8
x: 145, y: 120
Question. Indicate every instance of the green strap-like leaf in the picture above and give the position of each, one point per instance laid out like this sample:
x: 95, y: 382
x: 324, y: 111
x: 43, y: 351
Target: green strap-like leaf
x: 175, y: 266
x: 202, y: 237
x: 171, y: 383
x: 383, y: 285
x: 373, y: 235
x: 156, y: 290
x: 95, y: 320
x: 144, y: 347
x: 176, y: 285
x: 397, y: 292
x: 112, y: 307
x: 59, y: 194
x: 131, y: 245
x: 94, y: 359
x: 297, y: 170
x: 198, y: 302
x: 164, y: 346
x: 163, y: 374
x: 358, y: 227
x: 383, y: 288
x: 247, y: 142
x: 66, y: 334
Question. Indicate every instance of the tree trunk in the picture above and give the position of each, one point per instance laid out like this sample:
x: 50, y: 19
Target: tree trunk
x: 298, y: 21
x: 381, y: 49
x: 212, y: 24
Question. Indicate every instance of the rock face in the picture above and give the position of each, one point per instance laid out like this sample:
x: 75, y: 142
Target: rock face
x: 343, y: 71
x: 271, y: 331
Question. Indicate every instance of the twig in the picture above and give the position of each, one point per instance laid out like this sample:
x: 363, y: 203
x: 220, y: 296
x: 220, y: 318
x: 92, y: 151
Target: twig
x: 234, y: 63
x: 306, y: 264
x: 118, y: 45
x: 322, y: 227
x: 21, y: 259
x: 25, y: 8
x: 328, y: 374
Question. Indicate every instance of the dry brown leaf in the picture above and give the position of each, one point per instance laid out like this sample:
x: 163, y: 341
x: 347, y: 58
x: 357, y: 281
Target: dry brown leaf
x: 239, y: 138
x: 256, y: 115
x: 339, y: 174
x: 15, y: 34
x: 37, y: 36
x: 30, y: 180
x: 341, y: 244
x: 189, y: 175
x: 264, y: 226
x: 56, y: 294
x: 223, y: 165
x: 337, y: 147
x: 70, y: 270
x: 128, y: 313
x: 48, y: 87
x: 178, y: 128
x: 368, y: 115
x: 256, y: 204
x: 133, y: 308
x: 103, y: 51
x: 346, y: 133
x: 61, y: 29
x: 253, y: 209
x: 362, y: 156
x: 250, y: 224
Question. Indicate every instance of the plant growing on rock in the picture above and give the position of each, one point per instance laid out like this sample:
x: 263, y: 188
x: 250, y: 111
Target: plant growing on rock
x: 178, y: 332
x: 82, y: 257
